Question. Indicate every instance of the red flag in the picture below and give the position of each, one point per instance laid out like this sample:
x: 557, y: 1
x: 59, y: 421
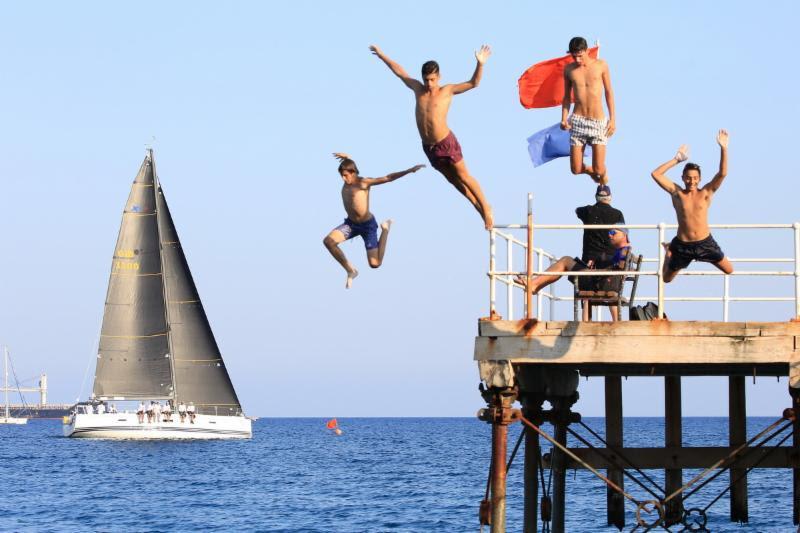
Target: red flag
x: 542, y: 85
x: 333, y: 424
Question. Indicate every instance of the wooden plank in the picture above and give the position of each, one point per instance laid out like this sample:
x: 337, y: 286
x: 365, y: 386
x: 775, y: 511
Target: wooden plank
x: 635, y: 349
x: 684, y: 458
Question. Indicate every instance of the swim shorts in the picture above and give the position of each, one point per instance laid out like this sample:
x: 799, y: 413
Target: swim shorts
x: 585, y: 130
x: 683, y: 253
x: 444, y: 153
x: 368, y: 231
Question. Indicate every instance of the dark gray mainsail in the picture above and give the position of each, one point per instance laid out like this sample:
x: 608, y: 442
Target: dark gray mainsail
x: 200, y: 373
x: 133, y: 355
x: 177, y: 355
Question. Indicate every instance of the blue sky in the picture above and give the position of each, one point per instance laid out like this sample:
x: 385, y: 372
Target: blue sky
x: 246, y: 102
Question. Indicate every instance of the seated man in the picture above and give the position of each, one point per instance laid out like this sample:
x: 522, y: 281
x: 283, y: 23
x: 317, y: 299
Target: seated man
x: 622, y: 246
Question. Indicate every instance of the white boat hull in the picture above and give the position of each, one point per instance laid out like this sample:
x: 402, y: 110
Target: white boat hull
x: 127, y: 426
x: 13, y: 420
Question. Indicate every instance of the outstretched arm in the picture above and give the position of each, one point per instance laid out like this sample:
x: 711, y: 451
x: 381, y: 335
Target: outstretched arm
x: 716, y: 181
x: 369, y: 182
x: 659, y: 174
x: 480, y: 56
x: 612, y: 120
x: 566, y: 102
x: 398, y: 71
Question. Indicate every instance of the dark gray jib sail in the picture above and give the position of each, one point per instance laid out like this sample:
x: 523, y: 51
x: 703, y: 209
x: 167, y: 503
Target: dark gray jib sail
x: 149, y: 350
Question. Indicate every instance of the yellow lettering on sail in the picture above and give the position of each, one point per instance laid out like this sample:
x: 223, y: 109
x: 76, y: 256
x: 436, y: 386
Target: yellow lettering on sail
x: 119, y: 265
x: 126, y: 253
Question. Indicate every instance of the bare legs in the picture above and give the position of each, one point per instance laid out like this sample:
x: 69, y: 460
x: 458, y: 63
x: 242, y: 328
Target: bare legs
x: 458, y: 176
x: 374, y: 256
x: 597, y: 170
x: 540, y: 282
x: 332, y: 242
x: 668, y: 274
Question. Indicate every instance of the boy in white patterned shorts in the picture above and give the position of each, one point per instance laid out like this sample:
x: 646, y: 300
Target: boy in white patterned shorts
x: 589, y: 79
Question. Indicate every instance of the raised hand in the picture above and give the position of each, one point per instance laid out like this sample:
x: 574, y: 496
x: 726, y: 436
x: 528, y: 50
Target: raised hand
x: 416, y: 167
x: 341, y: 156
x: 722, y: 138
x: 683, y: 153
x: 483, y: 54
x: 375, y: 50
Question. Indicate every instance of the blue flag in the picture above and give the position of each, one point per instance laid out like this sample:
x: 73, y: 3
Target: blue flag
x: 550, y: 143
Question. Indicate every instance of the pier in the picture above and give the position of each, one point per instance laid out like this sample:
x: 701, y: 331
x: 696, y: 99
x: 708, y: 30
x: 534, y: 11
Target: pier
x: 537, y: 359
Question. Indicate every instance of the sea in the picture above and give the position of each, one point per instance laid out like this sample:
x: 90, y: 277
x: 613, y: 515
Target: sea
x: 380, y: 474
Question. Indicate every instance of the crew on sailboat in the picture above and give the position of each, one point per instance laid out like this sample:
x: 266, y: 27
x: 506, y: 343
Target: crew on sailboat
x: 101, y: 408
x: 190, y: 412
x: 167, y: 412
x: 140, y: 412
x: 157, y: 412
x: 182, y: 411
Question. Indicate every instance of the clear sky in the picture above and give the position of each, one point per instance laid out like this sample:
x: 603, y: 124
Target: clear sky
x: 247, y: 101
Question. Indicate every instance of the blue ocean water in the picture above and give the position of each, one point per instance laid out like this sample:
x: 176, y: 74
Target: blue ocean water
x: 382, y: 474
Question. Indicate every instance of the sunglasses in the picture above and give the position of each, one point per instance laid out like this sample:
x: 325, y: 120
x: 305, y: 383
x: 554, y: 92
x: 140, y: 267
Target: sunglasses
x: 613, y: 232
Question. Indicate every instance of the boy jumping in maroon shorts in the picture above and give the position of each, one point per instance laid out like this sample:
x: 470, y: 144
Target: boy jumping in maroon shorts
x: 438, y: 142
x: 359, y: 221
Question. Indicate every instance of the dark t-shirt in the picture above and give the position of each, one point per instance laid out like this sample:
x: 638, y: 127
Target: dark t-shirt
x: 596, y: 244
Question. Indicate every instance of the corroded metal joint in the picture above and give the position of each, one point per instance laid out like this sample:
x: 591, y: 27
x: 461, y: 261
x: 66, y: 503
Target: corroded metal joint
x: 503, y: 416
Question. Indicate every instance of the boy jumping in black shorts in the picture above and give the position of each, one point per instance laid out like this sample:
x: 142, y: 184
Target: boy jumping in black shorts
x: 694, y: 241
x: 359, y: 221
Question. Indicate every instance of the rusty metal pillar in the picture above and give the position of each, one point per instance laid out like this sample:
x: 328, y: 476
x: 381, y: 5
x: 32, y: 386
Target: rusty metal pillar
x: 500, y: 415
x: 533, y: 412
x: 615, y: 503
x: 561, y: 418
x: 673, y: 439
x: 737, y: 433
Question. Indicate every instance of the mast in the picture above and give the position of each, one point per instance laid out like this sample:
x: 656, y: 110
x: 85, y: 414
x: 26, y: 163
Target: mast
x: 165, y: 290
x: 5, y: 371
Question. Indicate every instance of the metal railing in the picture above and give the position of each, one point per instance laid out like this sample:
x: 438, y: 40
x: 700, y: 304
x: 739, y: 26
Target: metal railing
x: 536, y: 256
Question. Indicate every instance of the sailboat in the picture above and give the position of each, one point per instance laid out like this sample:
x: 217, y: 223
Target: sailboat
x: 156, y: 344
x: 8, y: 419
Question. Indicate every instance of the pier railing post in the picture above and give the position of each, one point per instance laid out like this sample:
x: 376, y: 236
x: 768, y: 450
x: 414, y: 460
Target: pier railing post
x: 737, y: 432
x: 529, y: 260
x: 492, y: 252
x: 796, y: 227
x: 660, y: 274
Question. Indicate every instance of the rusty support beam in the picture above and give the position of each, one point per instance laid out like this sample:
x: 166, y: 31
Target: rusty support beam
x: 531, y: 480
x: 673, y: 439
x: 615, y: 503
x: 499, y: 448
x: 737, y: 432
x: 559, y: 486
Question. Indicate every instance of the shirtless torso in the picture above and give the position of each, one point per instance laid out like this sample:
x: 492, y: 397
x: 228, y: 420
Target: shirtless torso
x: 691, y: 209
x: 355, y: 197
x: 431, y: 112
x: 588, y: 85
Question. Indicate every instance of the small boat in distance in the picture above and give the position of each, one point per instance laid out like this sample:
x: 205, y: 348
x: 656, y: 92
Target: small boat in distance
x: 7, y: 418
x: 156, y: 343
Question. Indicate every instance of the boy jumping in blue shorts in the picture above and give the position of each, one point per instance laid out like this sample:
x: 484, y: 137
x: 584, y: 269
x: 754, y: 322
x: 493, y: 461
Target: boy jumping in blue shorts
x: 359, y: 221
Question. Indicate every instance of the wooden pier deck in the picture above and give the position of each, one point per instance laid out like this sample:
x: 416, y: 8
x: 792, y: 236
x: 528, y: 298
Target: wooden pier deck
x: 533, y: 361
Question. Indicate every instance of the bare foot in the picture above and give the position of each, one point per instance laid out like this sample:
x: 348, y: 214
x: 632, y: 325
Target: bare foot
x: 386, y: 225
x: 488, y: 218
x: 350, y: 277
